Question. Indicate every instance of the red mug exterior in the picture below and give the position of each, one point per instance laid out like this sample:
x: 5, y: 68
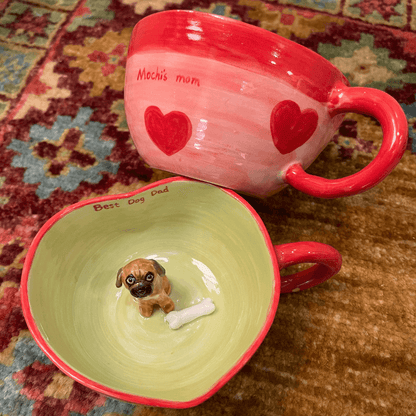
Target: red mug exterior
x: 229, y: 103
x: 328, y: 263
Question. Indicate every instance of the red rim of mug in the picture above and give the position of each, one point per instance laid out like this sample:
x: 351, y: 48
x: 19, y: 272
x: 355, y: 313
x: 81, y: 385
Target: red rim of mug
x: 238, y: 44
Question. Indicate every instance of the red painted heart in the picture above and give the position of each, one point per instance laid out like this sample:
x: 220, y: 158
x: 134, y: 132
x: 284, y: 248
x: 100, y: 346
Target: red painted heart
x: 290, y: 127
x: 170, y: 132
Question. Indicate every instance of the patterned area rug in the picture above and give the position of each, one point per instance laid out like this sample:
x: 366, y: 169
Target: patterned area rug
x: 344, y: 348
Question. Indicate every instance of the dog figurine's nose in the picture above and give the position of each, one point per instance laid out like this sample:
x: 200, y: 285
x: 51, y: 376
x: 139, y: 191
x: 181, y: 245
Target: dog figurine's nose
x: 142, y: 290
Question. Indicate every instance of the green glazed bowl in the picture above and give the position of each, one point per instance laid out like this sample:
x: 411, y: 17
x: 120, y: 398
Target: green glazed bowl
x: 211, y: 243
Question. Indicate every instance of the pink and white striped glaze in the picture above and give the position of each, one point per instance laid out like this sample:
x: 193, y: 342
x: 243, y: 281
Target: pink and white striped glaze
x: 228, y: 103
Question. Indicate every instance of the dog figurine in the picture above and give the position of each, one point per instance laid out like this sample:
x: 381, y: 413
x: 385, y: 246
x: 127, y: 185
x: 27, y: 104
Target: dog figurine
x: 147, y: 282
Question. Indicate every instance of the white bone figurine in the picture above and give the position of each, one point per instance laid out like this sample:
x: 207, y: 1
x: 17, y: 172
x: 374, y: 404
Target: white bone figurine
x: 176, y: 319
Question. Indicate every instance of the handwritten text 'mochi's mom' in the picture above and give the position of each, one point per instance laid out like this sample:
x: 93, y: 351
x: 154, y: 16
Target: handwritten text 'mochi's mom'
x: 162, y: 75
x: 130, y: 201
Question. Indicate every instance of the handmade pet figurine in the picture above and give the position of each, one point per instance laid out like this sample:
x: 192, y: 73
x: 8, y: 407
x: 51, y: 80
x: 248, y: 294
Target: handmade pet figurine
x: 147, y: 282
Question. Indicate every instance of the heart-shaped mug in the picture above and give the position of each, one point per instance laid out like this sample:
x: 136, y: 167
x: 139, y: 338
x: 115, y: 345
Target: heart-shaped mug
x: 211, y: 243
x: 229, y: 103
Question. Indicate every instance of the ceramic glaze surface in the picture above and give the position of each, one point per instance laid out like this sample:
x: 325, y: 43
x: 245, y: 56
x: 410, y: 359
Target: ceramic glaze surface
x: 235, y: 105
x: 220, y: 117
x: 211, y: 247
x: 238, y: 44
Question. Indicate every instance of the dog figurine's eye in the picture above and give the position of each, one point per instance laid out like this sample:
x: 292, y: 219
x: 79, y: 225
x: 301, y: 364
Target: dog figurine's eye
x: 149, y: 277
x: 130, y: 279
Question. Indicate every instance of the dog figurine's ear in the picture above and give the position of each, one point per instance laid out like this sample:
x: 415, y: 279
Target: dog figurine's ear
x: 118, y: 281
x: 160, y: 270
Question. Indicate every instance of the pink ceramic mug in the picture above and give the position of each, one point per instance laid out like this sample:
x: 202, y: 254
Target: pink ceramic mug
x: 232, y: 104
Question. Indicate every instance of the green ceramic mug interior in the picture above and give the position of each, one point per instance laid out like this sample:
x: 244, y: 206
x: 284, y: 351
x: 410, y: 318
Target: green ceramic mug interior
x: 211, y: 243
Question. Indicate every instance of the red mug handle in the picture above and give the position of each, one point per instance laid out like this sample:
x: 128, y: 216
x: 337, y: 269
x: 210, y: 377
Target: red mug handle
x: 328, y: 263
x: 388, y: 112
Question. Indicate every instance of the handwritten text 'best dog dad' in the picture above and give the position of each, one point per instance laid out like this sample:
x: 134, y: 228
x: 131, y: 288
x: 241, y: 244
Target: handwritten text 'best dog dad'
x: 131, y: 201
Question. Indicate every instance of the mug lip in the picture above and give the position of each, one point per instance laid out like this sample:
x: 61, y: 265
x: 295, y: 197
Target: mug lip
x: 128, y: 397
x: 233, y: 41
